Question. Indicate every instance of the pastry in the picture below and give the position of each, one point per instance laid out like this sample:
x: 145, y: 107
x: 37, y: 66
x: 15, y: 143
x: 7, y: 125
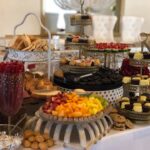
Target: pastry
x: 126, y: 80
x: 35, y: 145
x: 31, y: 139
x: 129, y: 107
x: 135, y: 80
x: 39, y: 138
x: 26, y: 144
x: 137, y: 108
x: 146, y: 107
x: 143, y: 98
x: 28, y: 43
x: 43, y: 146
x: 125, y: 99
x: 144, y: 82
x: 27, y: 134
x: 138, y: 56
x: 123, y: 104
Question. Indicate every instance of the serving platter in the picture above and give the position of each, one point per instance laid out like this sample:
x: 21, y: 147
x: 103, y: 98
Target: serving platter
x: 27, y: 56
x: 79, y: 69
x: 135, y: 116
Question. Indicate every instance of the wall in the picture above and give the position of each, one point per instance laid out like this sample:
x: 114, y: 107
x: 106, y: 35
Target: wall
x: 12, y: 13
x: 138, y: 8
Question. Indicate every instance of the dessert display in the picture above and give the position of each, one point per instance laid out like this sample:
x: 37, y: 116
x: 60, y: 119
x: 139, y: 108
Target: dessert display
x: 71, y: 105
x: 76, y: 39
x: 142, y: 80
x: 35, y: 140
x: 103, y: 79
x: 29, y: 43
x: 128, y: 70
x: 37, y: 82
x: 112, y: 47
x: 109, y: 47
x: 11, y: 87
x: 81, y: 62
x: 137, y: 104
x: 79, y: 19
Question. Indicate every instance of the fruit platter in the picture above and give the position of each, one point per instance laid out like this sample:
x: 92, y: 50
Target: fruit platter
x: 71, y: 107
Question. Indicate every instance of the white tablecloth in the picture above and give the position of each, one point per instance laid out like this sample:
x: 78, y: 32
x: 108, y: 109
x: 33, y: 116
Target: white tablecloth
x: 134, y: 139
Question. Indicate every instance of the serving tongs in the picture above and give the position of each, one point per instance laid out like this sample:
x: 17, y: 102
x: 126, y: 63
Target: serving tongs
x: 78, y: 78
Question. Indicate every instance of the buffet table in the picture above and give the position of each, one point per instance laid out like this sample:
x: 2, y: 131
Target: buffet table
x: 134, y: 139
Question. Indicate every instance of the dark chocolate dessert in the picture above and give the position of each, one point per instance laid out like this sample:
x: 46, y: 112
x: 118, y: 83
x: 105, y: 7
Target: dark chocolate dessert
x: 104, y: 79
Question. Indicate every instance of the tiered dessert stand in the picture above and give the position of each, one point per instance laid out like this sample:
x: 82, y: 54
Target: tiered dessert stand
x: 138, y: 90
x: 110, y: 58
x: 32, y: 56
x: 141, y: 63
x: 82, y: 24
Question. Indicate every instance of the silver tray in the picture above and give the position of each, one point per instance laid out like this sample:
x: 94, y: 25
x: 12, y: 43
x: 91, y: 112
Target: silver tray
x: 27, y: 56
x: 136, y: 116
x: 139, y: 63
x: 66, y: 120
x: 78, y: 69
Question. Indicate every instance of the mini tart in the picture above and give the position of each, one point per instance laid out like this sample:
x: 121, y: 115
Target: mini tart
x: 126, y: 80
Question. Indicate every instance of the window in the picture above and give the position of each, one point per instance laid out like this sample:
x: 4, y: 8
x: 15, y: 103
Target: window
x: 51, y: 7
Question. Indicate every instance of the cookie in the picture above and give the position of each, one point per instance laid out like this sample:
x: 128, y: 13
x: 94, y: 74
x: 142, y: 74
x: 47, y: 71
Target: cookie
x: 118, y: 118
x: 129, y: 124
x: 119, y: 129
x: 119, y: 125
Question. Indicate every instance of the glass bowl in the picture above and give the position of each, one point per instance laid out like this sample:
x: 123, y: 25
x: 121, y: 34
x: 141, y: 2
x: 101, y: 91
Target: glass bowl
x: 10, y: 141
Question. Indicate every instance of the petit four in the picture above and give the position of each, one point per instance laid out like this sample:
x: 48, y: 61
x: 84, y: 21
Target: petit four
x: 138, y: 56
x: 144, y: 82
x: 137, y: 108
x: 126, y: 80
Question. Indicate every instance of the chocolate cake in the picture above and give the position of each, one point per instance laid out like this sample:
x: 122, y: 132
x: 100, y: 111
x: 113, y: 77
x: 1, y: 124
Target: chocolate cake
x: 104, y: 79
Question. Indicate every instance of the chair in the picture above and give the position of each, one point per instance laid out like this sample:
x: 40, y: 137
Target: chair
x: 103, y: 27
x: 130, y: 28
